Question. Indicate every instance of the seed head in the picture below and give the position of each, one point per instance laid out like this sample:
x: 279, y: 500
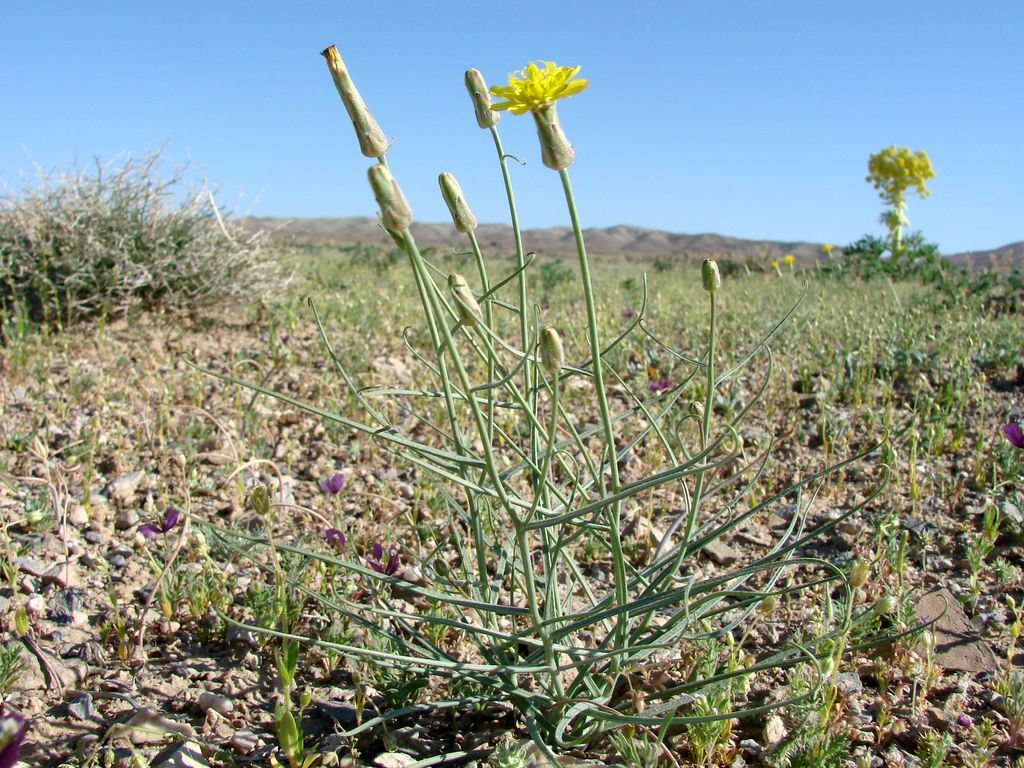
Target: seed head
x: 552, y: 353
x: 462, y: 216
x: 710, y: 276
x: 395, y: 213
x: 372, y: 141
x: 465, y: 303
x: 477, y: 87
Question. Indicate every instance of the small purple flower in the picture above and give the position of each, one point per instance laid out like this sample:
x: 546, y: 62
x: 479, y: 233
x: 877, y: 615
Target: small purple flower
x: 332, y: 485
x: 336, y: 538
x: 149, y: 530
x: 12, y: 733
x: 390, y: 568
x: 628, y: 314
x: 659, y: 385
x: 1014, y: 434
x: 964, y: 721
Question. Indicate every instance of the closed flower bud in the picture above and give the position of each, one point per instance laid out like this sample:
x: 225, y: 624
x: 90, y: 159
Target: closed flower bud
x: 394, y: 210
x: 462, y: 217
x: 481, y: 96
x: 767, y: 605
x: 710, y: 276
x: 372, y: 141
x: 552, y: 353
x: 859, y: 573
x: 465, y: 303
x: 555, y: 150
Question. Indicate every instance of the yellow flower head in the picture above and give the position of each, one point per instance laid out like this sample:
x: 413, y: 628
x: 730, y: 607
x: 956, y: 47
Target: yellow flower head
x: 789, y: 258
x: 531, y: 88
x: 774, y: 263
x: 827, y: 247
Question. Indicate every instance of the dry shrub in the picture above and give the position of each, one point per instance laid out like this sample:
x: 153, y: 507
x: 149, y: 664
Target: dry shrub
x: 77, y: 244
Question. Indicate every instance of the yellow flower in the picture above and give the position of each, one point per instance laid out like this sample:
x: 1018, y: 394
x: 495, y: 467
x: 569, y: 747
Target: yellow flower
x: 827, y: 247
x: 532, y: 88
x: 789, y: 258
x: 774, y: 263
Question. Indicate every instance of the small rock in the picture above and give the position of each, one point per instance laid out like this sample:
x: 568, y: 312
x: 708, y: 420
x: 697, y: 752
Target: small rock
x: 958, y: 645
x: 65, y: 604
x: 721, y: 553
x: 117, y: 561
x: 36, y: 606
x: 774, y: 731
x: 184, y: 754
x: 406, y: 490
x: 123, y: 487
x: 147, y: 726
x: 94, y: 537
x: 78, y: 516
x: 220, y: 704
x: 126, y: 518
x: 849, y: 683
x: 63, y: 575
x: 244, y: 742
x: 30, y: 566
x: 393, y: 760
x: 81, y: 707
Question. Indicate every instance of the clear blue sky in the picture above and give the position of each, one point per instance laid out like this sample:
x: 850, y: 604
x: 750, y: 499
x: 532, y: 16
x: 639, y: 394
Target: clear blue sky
x: 750, y: 119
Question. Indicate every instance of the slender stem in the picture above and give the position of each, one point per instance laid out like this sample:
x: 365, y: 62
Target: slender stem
x: 705, y: 433
x: 615, y: 509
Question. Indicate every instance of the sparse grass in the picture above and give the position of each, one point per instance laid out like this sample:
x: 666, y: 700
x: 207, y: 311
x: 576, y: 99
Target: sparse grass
x: 881, y: 359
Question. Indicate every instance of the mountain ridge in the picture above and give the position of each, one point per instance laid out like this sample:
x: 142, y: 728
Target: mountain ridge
x: 625, y: 239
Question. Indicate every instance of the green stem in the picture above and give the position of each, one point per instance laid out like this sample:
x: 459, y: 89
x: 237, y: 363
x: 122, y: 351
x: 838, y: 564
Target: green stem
x: 615, y: 510
x: 705, y: 435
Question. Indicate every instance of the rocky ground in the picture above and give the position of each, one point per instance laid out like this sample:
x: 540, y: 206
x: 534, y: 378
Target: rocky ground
x: 105, y: 429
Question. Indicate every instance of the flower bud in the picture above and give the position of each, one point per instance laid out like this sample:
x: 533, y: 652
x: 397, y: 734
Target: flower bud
x: 372, y: 141
x: 465, y: 303
x: 394, y: 210
x: 555, y: 150
x: 710, y: 276
x: 859, y: 573
x: 552, y: 353
x: 767, y: 605
x: 462, y: 217
x: 481, y: 96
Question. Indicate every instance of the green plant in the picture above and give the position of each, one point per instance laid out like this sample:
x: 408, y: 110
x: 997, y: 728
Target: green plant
x: 10, y: 666
x: 523, y: 451
x: 84, y: 243
x: 895, y: 171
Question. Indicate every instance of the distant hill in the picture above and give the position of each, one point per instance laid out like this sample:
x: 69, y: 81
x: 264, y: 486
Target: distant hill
x: 621, y: 239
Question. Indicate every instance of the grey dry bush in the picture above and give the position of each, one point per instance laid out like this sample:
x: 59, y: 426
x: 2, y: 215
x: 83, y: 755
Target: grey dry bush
x: 81, y: 243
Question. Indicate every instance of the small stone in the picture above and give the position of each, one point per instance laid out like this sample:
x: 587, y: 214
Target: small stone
x: 958, y: 644
x: 117, y: 561
x: 63, y: 575
x: 126, y: 518
x: 244, y: 742
x: 123, y: 487
x: 406, y: 490
x: 393, y: 760
x: 220, y: 704
x: 81, y: 707
x: 30, y: 566
x: 721, y: 553
x: 36, y: 606
x: 147, y: 726
x: 78, y: 516
x: 849, y: 683
x: 185, y: 754
x: 94, y: 537
x: 774, y: 731
x: 65, y: 604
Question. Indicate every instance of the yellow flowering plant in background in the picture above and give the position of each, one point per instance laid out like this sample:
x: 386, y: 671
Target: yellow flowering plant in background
x: 894, y: 172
